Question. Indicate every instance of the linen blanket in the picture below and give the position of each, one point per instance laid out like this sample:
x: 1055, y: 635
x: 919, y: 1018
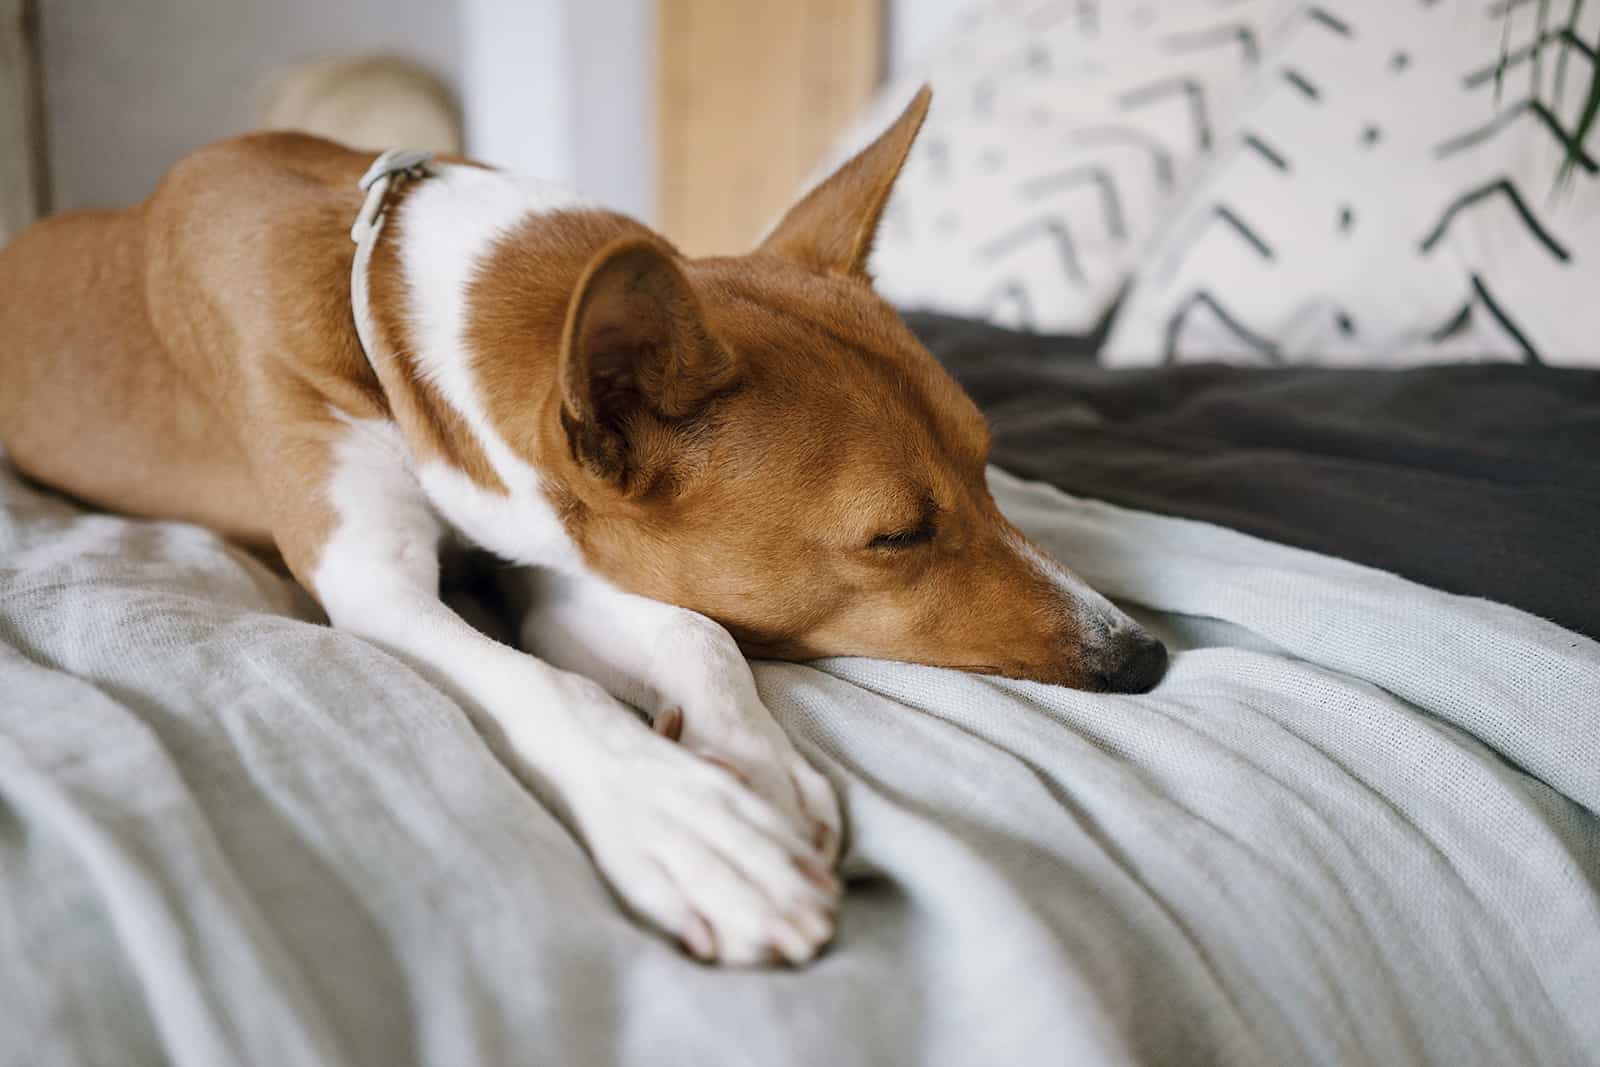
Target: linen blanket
x: 1357, y: 823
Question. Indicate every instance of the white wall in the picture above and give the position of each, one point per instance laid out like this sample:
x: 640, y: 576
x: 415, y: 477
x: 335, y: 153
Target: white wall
x: 594, y: 103
x: 916, y: 25
x: 131, y: 85
x: 564, y: 89
x: 515, y: 76
x: 613, y: 77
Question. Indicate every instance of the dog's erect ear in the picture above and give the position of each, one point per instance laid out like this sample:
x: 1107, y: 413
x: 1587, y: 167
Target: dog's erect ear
x: 832, y: 227
x: 635, y: 350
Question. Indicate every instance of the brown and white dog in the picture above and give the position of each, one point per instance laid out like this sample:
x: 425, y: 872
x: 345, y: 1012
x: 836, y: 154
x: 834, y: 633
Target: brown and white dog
x: 693, y: 457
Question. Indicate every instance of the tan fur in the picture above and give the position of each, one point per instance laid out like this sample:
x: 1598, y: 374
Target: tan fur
x: 154, y: 361
x: 725, y: 434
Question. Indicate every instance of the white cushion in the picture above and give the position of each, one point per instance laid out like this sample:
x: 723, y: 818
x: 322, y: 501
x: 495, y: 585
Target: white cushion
x: 1381, y: 200
x: 1059, y: 136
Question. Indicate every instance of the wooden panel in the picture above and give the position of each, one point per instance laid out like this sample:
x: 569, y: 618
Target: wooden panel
x: 22, y: 162
x: 751, y: 94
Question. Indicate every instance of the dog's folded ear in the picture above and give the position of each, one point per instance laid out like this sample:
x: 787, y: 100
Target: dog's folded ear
x: 832, y: 227
x: 635, y: 355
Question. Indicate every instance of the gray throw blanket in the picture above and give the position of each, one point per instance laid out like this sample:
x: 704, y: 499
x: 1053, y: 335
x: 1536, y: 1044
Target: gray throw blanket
x: 1357, y: 823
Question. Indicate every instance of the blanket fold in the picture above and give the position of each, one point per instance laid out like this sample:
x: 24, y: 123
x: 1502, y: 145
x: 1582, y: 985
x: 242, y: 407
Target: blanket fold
x: 1355, y: 824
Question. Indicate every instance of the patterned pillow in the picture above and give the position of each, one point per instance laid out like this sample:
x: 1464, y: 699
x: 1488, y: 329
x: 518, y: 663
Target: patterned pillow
x: 1059, y: 136
x: 1392, y: 192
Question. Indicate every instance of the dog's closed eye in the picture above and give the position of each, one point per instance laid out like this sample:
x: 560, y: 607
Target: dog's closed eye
x: 917, y: 535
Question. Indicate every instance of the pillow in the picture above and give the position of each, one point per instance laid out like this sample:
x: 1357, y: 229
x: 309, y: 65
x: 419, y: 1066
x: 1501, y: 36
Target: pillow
x: 1392, y: 192
x: 1058, y: 137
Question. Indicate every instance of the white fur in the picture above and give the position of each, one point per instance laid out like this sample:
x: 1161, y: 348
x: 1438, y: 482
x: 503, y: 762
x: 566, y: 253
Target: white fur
x: 1088, y: 606
x: 636, y: 648
x: 684, y: 842
x: 681, y: 840
x: 451, y: 222
x: 659, y: 656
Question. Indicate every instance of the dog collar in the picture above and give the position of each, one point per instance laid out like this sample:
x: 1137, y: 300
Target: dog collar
x: 391, y: 166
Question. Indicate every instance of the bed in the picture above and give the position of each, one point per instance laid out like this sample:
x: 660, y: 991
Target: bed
x: 1358, y: 822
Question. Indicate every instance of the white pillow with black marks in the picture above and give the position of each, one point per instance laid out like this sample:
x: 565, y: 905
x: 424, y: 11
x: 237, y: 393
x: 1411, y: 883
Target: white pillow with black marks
x: 1059, y: 136
x: 1394, y: 192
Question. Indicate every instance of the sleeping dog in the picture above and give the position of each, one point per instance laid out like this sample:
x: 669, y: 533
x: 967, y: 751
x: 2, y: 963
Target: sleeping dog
x: 698, y: 460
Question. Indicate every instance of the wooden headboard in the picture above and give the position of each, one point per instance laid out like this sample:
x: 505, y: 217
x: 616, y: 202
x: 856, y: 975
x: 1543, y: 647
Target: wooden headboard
x: 751, y: 93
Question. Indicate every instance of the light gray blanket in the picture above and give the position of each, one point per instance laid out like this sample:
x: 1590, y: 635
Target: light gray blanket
x: 1356, y: 824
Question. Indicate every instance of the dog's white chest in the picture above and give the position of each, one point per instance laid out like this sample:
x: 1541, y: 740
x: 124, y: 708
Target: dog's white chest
x: 521, y: 526
x: 451, y: 223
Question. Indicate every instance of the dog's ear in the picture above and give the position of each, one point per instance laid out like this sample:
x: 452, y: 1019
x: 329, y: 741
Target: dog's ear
x: 832, y: 227
x: 635, y: 354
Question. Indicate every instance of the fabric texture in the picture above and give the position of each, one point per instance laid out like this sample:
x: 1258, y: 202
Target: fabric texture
x: 1391, y: 191
x: 1482, y: 480
x: 1060, y: 136
x: 1355, y: 824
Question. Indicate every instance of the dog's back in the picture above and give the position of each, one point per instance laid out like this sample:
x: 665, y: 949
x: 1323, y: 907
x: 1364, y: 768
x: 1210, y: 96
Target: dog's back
x: 96, y: 397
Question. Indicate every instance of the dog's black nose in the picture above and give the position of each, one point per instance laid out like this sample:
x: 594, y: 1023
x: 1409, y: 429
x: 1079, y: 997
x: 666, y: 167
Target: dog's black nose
x: 1141, y: 662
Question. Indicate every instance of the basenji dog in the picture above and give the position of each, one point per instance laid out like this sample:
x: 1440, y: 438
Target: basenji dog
x: 697, y: 459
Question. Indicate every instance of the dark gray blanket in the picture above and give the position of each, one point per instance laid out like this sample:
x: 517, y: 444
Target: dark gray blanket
x: 1479, y: 480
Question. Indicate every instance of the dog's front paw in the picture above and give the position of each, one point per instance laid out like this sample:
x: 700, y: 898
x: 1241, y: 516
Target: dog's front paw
x: 749, y: 743
x: 688, y: 847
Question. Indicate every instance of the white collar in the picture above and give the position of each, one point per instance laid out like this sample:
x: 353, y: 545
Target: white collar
x: 396, y: 162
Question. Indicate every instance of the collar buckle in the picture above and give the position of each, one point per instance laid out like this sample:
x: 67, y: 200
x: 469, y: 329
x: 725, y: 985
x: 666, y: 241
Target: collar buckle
x: 407, y: 162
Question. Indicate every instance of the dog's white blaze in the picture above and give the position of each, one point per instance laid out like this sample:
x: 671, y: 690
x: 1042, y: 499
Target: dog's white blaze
x: 1088, y: 605
x: 450, y: 224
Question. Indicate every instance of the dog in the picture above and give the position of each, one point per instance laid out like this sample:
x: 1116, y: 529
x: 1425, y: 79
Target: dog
x: 697, y: 460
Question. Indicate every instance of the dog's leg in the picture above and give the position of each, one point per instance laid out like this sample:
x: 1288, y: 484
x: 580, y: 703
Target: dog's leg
x: 680, y: 839
x: 687, y: 672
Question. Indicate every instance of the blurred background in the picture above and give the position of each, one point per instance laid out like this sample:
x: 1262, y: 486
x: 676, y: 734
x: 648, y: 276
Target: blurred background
x: 1347, y: 182
x: 700, y: 116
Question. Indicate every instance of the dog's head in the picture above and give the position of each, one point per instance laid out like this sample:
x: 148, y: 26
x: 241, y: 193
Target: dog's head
x: 761, y: 439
